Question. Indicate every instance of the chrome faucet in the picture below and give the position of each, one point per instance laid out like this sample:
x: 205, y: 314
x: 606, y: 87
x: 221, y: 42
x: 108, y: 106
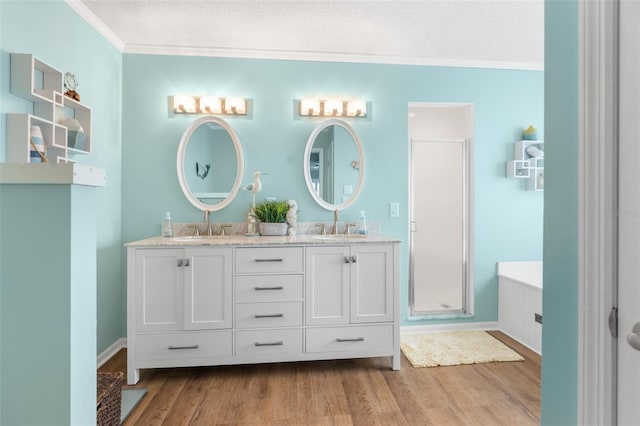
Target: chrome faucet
x: 335, y: 222
x: 347, y: 229
x: 222, y: 230
x: 196, y: 231
x: 207, y: 220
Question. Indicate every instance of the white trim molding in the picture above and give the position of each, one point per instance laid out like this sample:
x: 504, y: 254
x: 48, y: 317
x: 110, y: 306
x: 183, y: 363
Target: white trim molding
x: 301, y: 55
x: 598, y: 147
x: 108, y: 353
x: 458, y: 326
x: 96, y: 23
x: 293, y: 55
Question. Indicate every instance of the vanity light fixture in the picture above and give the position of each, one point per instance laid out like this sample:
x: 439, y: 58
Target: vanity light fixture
x: 333, y: 108
x: 235, y: 106
x: 209, y: 105
x: 310, y: 107
x: 356, y: 108
x: 184, y: 104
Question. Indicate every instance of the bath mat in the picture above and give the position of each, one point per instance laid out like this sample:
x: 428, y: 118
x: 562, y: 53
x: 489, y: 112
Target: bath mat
x: 130, y: 398
x: 454, y: 348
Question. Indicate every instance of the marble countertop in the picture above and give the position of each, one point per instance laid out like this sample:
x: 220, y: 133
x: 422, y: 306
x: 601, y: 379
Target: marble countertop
x: 243, y: 240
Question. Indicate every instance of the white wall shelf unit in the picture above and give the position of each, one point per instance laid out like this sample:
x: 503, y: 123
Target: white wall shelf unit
x: 41, y: 84
x: 527, y: 166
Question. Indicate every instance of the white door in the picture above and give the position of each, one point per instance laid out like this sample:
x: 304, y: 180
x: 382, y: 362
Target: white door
x: 208, y: 286
x: 438, y: 223
x: 371, y: 283
x: 159, y: 294
x: 327, y: 285
x: 628, y: 386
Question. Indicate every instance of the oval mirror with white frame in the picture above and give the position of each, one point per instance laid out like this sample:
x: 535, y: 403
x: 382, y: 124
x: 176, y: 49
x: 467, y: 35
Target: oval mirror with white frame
x: 334, y: 164
x: 208, y: 175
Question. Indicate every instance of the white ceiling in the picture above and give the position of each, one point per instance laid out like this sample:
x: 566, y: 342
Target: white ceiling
x: 479, y: 33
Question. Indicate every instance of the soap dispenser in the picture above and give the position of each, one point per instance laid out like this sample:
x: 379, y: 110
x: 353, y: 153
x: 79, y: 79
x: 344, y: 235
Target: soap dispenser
x: 167, y: 224
x: 362, y: 224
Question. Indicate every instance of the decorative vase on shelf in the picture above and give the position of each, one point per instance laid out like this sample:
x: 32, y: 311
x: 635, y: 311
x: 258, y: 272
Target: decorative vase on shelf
x: 530, y: 134
x: 37, y: 151
x: 273, y: 229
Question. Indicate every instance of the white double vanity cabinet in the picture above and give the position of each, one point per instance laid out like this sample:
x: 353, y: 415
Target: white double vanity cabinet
x: 243, y: 300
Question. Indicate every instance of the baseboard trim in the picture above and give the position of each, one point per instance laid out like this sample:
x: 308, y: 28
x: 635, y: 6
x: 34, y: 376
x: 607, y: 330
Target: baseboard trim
x: 521, y: 342
x: 431, y: 328
x: 111, y: 351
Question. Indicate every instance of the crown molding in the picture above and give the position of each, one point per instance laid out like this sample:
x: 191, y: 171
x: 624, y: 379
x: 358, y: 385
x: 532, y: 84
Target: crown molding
x: 145, y: 49
x: 293, y: 55
x: 96, y: 23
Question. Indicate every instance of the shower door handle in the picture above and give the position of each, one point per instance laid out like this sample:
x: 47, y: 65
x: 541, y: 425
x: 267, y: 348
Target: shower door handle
x: 414, y: 226
x: 633, y: 338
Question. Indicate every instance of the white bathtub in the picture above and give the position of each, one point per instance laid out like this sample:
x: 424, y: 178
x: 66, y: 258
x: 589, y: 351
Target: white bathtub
x: 520, y: 302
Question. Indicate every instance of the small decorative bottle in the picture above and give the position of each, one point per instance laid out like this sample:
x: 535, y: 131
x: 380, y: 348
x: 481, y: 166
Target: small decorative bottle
x: 167, y: 224
x: 362, y: 224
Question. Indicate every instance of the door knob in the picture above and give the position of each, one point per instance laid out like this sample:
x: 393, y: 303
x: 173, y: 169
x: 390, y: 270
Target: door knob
x: 633, y: 338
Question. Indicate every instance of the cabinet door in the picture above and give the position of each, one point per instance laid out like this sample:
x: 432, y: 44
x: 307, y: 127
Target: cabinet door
x: 159, y: 294
x: 327, y: 285
x: 371, y: 283
x: 208, y: 282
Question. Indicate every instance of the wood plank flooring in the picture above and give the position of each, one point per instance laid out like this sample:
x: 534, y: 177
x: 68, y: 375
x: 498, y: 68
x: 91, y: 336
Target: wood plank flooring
x: 340, y: 392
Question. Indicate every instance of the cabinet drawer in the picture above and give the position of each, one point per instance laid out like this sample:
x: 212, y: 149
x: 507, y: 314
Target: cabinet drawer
x: 267, y: 342
x: 183, y: 345
x: 262, y: 288
x: 268, y: 260
x: 268, y: 314
x: 353, y: 338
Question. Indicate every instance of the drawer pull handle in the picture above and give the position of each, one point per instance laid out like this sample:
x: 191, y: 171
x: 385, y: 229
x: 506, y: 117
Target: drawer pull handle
x: 269, y: 260
x: 174, y: 348
x: 357, y: 339
x: 278, y: 343
x: 269, y: 288
x: 269, y: 315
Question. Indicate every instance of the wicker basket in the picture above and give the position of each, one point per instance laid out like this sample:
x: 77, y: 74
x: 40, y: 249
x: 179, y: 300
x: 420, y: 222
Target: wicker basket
x: 109, y: 397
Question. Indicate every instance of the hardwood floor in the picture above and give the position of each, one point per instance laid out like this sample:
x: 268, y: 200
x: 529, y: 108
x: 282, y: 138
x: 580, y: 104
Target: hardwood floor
x: 341, y: 392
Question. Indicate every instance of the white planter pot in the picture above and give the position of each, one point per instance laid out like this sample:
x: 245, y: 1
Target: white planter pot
x: 273, y: 228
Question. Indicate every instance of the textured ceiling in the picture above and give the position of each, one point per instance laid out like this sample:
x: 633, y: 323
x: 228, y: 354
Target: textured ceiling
x: 506, y: 33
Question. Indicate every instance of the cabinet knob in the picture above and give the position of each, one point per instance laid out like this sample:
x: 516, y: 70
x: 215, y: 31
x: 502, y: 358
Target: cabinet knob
x: 186, y: 262
x: 353, y: 259
x: 347, y: 260
x: 180, y: 262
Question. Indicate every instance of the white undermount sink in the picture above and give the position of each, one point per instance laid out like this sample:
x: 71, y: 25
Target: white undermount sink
x: 338, y: 237
x: 186, y: 238
x: 194, y: 238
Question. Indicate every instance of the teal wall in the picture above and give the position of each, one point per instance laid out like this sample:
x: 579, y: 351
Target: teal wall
x: 136, y: 138
x: 508, y: 219
x: 560, y: 297
x: 47, y: 305
x: 55, y: 34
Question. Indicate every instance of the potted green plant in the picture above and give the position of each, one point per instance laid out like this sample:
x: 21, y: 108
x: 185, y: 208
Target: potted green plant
x: 272, y: 216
